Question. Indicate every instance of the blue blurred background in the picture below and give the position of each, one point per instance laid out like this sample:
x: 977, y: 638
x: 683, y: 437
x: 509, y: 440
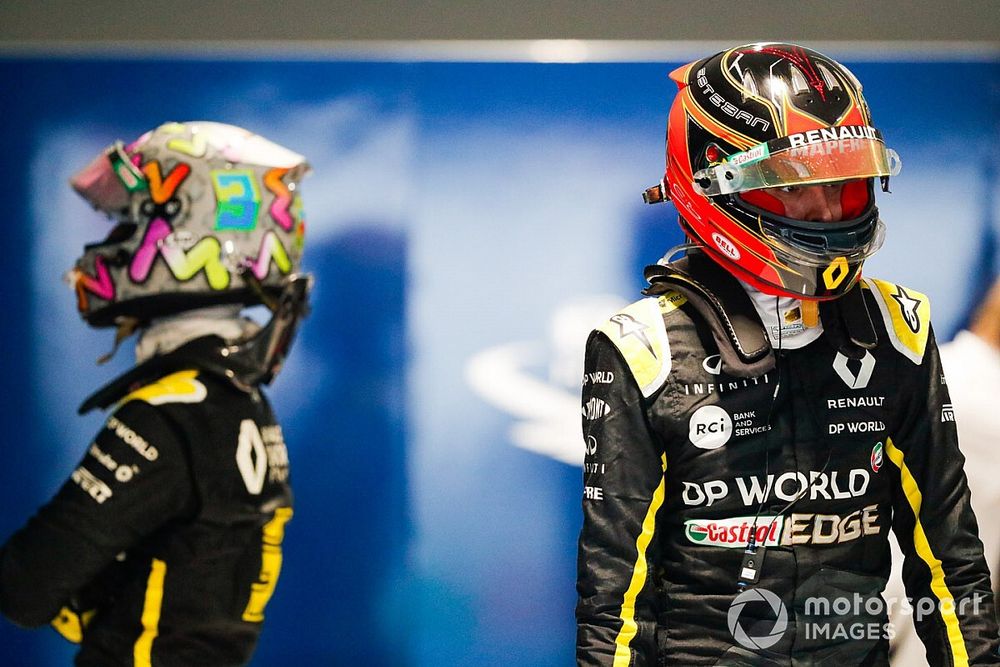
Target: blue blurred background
x: 468, y: 222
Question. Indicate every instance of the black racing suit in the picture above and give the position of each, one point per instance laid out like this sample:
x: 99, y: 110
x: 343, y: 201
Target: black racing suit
x: 164, y: 546
x: 816, y: 458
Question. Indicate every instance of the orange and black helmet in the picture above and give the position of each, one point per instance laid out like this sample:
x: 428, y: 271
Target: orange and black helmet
x: 775, y: 115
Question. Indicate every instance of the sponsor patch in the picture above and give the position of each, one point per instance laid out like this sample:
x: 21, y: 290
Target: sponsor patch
x: 277, y: 453
x: 788, y: 486
x: 640, y: 335
x: 123, y: 473
x: 855, y: 402
x: 798, y: 528
x: 785, y: 330
x: 726, y: 106
x: 832, y: 134
x: 595, y: 409
x: 735, y: 532
x: 103, y: 457
x: 629, y: 326
x: 727, y: 247
x: 712, y: 364
x: 877, y: 457
x: 907, y: 316
x: 132, y: 439
x: 747, y: 423
x: 700, y: 388
x: 908, y: 308
x: 598, y: 377
x: 710, y: 427
x: 755, y: 154
x: 89, y: 482
x: 870, y: 426
x: 831, y: 528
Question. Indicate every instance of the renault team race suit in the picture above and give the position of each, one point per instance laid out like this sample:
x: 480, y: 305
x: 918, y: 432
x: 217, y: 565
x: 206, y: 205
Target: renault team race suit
x: 164, y: 546
x: 816, y: 459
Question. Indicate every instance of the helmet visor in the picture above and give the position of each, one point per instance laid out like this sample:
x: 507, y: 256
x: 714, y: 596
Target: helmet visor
x: 108, y: 181
x: 813, y: 157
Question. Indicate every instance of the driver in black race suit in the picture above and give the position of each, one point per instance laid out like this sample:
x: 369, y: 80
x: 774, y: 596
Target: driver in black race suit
x: 163, y: 547
x: 756, y: 425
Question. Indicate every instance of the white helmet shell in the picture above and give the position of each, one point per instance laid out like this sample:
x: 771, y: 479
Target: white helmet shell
x: 198, y: 204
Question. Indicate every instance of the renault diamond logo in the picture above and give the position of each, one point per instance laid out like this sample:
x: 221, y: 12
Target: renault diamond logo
x: 864, y: 374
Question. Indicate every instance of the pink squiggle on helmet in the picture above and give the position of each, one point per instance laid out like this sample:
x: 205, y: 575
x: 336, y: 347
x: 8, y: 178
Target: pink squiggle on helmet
x: 142, y: 261
x: 183, y: 264
x: 100, y: 285
x: 138, y: 142
x: 270, y: 249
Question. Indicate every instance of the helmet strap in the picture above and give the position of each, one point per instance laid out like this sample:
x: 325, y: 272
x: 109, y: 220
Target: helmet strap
x: 810, y: 313
x: 126, y: 327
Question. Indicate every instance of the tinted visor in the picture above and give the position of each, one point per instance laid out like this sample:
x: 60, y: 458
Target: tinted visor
x: 108, y: 181
x: 813, y: 157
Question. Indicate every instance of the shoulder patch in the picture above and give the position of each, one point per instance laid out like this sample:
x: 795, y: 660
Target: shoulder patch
x: 180, y: 387
x: 640, y: 335
x: 907, y: 317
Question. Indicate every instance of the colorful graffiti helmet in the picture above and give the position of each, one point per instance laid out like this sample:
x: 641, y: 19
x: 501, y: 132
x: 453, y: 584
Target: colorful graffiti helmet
x: 207, y: 214
x: 765, y: 116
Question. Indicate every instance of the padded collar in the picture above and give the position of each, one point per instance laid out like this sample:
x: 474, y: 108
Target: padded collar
x: 735, y: 324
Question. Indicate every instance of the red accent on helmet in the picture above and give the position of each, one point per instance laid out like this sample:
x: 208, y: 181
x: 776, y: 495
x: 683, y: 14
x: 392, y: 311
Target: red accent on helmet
x: 765, y: 200
x: 800, y: 59
x: 854, y: 199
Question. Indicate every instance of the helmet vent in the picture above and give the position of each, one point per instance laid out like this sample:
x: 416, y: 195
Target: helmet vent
x: 749, y: 86
x: 799, y: 83
x: 811, y: 240
x: 828, y: 78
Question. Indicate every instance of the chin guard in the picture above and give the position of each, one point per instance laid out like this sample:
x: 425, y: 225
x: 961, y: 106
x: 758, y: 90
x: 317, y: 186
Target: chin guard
x: 262, y: 356
x: 246, y: 364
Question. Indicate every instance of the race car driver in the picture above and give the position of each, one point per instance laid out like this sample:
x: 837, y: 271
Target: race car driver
x: 164, y: 545
x: 756, y: 425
